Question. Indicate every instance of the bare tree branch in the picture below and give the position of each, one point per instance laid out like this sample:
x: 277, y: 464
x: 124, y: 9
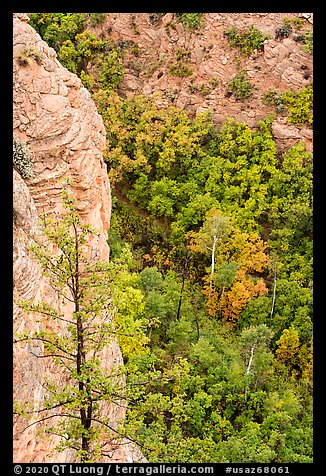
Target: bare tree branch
x: 43, y: 339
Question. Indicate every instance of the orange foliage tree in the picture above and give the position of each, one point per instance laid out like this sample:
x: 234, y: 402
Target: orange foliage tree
x: 230, y: 288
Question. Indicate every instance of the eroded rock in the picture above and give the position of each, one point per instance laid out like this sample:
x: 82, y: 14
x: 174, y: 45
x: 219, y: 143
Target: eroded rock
x: 277, y: 67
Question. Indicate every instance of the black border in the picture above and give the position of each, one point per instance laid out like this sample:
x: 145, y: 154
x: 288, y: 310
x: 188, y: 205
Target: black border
x: 6, y: 272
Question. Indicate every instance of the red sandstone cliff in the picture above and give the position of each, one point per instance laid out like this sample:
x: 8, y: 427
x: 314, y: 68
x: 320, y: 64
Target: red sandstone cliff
x: 213, y: 64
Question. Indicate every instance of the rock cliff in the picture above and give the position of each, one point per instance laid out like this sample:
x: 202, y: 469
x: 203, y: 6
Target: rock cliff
x: 282, y: 65
x: 54, y: 115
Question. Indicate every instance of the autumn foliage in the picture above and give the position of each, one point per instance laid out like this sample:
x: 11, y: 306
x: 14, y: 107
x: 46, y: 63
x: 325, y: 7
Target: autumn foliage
x: 248, y: 252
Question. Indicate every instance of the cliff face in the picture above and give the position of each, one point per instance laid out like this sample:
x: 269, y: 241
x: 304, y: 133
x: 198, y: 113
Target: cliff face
x: 281, y: 66
x: 58, y: 120
x: 56, y: 117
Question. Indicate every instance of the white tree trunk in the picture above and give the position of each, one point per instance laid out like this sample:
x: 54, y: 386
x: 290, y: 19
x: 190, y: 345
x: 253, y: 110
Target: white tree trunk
x: 250, y: 360
x: 213, y: 261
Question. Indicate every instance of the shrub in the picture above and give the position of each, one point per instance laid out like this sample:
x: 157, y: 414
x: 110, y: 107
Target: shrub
x: 169, y: 26
x: 271, y: 98
x: 134, y: 49
x: 299, y: 38
x: 283, y: 31
x: 133, y: 25
x: 136, y: 66
x: 204, y: 89
x: 248, y: 41
x: 192, y: 88
x: 182, y: 55
x: 189, y: 20
x: 180, y: 70
x: 27, y: 55
x: 299, y: 105
x: 122, y: 44
x: 297, y: 22
x: 213, y: 82
x: 308, y: 42
x: 22, y: 158
x: 152, y: 68
x: 96, y: 18
x: 155, y: 17
x: 240, y: 86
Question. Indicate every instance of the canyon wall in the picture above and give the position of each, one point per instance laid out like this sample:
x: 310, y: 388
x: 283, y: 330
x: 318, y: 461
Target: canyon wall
x: 54, y: 115
x: 282, y: 65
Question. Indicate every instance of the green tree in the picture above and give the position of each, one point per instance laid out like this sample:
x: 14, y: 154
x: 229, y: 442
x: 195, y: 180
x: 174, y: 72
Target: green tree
x: 78, y: 407
x: 215, y: 229
x: 225, y: 275
x: 56, y: 28
x: 69, y: 57
x: 254, y: 340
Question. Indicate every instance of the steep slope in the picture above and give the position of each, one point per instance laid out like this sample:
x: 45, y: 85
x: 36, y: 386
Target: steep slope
x: 158, y: 41
x: 56, y: 117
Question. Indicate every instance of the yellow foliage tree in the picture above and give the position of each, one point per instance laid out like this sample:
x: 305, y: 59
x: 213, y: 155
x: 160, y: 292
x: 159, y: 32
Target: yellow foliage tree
x: 248, y: 252
x: 305, y: 360
x: 288, y: 345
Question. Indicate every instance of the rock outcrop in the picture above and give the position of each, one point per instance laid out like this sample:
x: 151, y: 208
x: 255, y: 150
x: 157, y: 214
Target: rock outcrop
x: 55, y: 115
x: 57, y: 119
x: 282, y: 65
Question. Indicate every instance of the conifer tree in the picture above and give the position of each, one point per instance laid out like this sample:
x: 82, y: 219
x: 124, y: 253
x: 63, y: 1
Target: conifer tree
x: 78, y: 409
